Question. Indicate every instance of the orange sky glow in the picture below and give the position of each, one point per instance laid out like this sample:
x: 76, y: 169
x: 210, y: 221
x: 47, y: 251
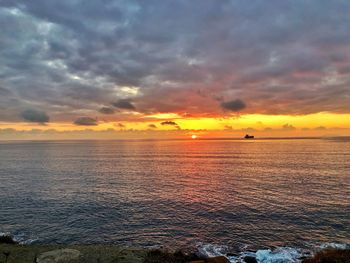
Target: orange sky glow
x: 320, y: 124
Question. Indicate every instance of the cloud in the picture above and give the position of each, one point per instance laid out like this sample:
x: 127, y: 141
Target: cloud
x: 4, y: 92
x: 86, y: 121
x: 124, y: 104
x: 170, y: 123
x: 152, y: 126
x: 106, y: 110
x: 32, y: 115
x: 233, y: 105
x: 249, y: 129
x: 287, y: 63
x: 288, y: 127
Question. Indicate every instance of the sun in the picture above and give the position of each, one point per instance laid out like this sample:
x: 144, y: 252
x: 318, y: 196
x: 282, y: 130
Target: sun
x: 194, y: 136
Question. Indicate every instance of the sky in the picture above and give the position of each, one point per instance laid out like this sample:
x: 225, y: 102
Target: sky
x: 165, y: 68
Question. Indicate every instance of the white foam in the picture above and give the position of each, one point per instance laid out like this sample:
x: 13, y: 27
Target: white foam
x: 212, y: 250
x: 279, y: 255
x: 332, y: 245
x: 26, y: 241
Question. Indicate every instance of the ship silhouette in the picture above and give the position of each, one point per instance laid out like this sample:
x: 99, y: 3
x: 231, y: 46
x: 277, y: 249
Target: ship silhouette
x: 247, y: 136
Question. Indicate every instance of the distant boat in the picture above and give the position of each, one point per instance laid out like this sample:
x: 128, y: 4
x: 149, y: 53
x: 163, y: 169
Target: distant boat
x: 247, y: 136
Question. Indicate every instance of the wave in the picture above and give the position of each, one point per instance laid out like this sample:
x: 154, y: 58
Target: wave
x: 275, y: 255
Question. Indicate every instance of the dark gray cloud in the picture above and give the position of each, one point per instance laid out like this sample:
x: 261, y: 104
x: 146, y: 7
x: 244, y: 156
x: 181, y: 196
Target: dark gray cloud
x: 124, y: 104
x: 32, y: 115
x: 233, y: 105
x: 106, y: 110
x: 86, y: 121
x: 152, y: 126
x: 4, y: 92
x: 276, y: 55
x: 168, y: 123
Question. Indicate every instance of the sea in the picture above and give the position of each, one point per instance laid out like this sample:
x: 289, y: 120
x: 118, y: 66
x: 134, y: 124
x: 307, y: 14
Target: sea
x: 275, y: 199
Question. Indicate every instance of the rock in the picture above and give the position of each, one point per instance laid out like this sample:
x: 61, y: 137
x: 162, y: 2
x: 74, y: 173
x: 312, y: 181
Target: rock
x: 250, y: 259
x: 6, y: 239
x: 59, y: 256
x: 130, y: 256
x: 220, y: 259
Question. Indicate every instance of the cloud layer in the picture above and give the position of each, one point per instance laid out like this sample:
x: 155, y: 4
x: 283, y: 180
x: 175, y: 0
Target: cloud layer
x: 195, y: 58
x: 35, y: 116
x: 106, y: 110
x: 233, y: 105
x: 124, y: 104
x: 86, y: 121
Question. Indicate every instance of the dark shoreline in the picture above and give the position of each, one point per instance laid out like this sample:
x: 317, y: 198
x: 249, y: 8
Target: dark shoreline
x: 13, y: 252
x: 115, y: 254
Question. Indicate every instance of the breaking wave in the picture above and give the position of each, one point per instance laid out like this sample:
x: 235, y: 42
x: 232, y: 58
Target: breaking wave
x: 273, y: 255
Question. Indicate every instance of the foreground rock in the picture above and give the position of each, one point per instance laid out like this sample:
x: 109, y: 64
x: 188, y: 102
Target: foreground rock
x: 6, y: 239
x: 70, y: 254
x: 59, y: 256
x: 10, y: 253
x: 95, y: 254
x: 330, y: 256
x: 249, y: 259
x: 220, y: 259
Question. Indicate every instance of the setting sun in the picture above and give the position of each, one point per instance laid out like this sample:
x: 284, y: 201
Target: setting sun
x: 194, y: 136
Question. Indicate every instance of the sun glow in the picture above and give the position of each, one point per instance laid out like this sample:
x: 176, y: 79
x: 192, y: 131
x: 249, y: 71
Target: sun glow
x: 312, y: 125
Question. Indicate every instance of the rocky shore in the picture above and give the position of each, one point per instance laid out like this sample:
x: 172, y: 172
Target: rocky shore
x: 11, y: 252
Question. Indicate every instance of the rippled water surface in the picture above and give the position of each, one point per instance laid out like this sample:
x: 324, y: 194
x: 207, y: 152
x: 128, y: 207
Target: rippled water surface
x: 176, y: 193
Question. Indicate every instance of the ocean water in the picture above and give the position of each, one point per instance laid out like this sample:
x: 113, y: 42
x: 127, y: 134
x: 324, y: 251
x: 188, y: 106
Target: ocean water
x: 218, y: 196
